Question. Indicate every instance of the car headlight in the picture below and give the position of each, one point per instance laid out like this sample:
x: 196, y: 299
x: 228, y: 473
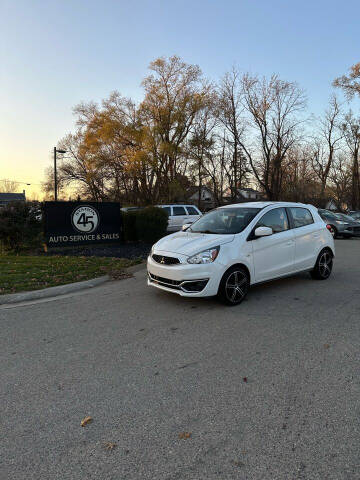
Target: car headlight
x: 341, y: 223
x: 207, y: 256
x: 152, y: 250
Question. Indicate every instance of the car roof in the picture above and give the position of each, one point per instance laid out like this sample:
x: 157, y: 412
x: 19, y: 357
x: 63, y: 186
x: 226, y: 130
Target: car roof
x: 266, y: 204
x: 176, y: 205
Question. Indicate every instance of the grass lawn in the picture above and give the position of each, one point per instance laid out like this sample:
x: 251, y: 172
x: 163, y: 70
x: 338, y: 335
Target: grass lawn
x: 19, y: 273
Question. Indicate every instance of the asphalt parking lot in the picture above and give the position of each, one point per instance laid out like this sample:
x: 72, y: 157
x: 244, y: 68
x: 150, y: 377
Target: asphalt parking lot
x: 266, y: 390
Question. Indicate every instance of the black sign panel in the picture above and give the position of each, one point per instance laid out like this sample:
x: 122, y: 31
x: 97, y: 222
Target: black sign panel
x: 79, y: 223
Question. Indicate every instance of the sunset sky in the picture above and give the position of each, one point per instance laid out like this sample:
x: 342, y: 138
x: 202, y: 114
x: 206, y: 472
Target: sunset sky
x: 55, y: 54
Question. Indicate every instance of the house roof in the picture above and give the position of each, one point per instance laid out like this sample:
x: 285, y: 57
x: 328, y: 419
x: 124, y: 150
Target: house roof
x: 248, y: 190
x: 11, y: 197
x: 194, y: 189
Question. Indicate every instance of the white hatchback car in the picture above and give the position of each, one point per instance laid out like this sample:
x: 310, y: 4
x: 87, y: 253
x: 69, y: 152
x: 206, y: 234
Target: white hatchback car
x: 233, y: 247
x: 180, y: 215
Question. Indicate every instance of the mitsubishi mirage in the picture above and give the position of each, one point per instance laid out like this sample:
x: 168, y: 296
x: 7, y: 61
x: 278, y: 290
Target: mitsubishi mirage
x: 236, y: 246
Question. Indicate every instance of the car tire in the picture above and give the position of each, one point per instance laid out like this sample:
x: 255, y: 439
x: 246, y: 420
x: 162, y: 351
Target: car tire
x: 333, y: 231
x: 234, y: 286
x: 323, y: 266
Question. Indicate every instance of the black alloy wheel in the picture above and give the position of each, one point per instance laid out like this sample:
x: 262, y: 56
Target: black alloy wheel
x: 234, y: 286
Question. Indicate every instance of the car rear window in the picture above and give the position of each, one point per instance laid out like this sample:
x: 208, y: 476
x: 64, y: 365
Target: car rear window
x: 192, y: 211
x: 301, y: 216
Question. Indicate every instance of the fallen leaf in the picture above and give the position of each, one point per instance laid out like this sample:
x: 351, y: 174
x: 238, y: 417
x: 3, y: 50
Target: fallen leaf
x: 110, y: 445
x: 85, y: 421
x: 326, y: 345
x: 185, y: 435
x: 245, y: 379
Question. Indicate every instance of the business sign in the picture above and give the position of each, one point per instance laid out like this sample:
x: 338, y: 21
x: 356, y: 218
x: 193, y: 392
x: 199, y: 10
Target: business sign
x: 79, y: 223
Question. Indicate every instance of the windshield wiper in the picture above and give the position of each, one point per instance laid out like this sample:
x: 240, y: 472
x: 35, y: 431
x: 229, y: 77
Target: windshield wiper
x: 204, y: 231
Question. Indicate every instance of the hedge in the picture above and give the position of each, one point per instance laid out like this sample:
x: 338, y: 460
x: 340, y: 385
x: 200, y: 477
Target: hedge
x: 146, y: 225
x: 20, y: 226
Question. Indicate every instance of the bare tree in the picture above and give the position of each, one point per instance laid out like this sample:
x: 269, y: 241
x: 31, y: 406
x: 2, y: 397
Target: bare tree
x: 340, y: 181
x: 351, y: 130
x: 326, y: 145
x: 274, y: 106
x: 231, y: 115
x: 8, y: 186
x: 202, y: 142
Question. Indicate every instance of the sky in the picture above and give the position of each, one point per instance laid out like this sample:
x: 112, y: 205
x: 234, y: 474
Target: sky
x: 55, y: 54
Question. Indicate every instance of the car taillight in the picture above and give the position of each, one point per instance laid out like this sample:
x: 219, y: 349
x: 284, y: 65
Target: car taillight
x: 328, y: 227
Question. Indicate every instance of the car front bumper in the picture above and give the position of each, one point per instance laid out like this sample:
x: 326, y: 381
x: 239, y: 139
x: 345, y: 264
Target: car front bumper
x: 185, y: 279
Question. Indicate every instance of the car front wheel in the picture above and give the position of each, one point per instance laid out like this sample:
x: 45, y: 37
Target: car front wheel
x: 323, y: 266
x: 234, y: 286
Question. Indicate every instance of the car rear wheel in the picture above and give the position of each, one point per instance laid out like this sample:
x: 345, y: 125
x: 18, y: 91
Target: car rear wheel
x: 234, y: 286
x: 323, y: 265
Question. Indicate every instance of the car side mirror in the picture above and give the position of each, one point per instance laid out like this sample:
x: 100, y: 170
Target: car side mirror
x: 185, y: 226
x: 263, y: 231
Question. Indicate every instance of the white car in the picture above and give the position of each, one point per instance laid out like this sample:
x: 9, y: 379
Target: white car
x: 180, y: 215
x: 233, y: 247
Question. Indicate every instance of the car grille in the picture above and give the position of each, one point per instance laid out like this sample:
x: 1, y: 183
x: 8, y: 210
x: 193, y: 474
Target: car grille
x: 184, y: 285
x: 165, y: 260
x: 166, y: 282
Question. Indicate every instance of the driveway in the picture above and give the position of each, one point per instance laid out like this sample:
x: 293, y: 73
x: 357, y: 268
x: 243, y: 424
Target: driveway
x: 267, y: 390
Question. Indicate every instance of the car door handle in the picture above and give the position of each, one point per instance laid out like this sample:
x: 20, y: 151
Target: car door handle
x: 290, y: 242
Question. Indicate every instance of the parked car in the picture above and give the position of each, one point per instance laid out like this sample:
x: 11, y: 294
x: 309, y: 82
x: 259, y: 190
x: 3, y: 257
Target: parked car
x: 180, y: 215
x: 130, y: 209
x: 353, y: 225
x: 355, y: 215
x: 233, y: 247
x: 337, y: 226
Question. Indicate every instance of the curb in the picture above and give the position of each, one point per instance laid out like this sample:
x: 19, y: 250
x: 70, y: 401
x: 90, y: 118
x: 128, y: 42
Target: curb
x: 52, y: 291
x: 136, y: 268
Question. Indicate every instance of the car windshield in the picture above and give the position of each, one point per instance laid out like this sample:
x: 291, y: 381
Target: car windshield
x: 327, y: 214
x: 342, y: 216
x: 224, y: 221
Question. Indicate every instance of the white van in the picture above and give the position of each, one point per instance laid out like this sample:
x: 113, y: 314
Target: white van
x: 180, y: 214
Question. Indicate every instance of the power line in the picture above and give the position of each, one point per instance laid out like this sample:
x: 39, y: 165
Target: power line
x: 14, y: 181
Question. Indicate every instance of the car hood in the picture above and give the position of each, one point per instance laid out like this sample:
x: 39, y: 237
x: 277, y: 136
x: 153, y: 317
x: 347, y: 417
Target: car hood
x: 190, y: 243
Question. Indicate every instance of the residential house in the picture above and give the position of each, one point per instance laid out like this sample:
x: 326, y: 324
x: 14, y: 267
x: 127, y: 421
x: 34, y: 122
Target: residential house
x: 207, y: 197
x: 6, y: 198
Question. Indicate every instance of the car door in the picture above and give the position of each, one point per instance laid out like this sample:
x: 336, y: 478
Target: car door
x: 273, y: 255
x: 193, y: 214
x: 179, y: 217
x: 307, y: 235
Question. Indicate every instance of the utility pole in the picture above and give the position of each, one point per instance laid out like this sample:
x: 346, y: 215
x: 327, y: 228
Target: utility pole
x: 55, y: 176
x: 55, y: 173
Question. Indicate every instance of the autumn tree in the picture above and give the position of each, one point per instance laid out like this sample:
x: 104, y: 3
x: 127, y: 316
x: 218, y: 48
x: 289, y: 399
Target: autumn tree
x: 350, y: 83
x: 174, y: 94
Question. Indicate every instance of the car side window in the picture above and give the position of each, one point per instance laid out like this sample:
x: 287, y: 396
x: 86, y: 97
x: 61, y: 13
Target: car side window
x: 179, y: 211
x: 167, y: 210
x: 301, y: 216
x: 276, y: 219
x: 192, y: 211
